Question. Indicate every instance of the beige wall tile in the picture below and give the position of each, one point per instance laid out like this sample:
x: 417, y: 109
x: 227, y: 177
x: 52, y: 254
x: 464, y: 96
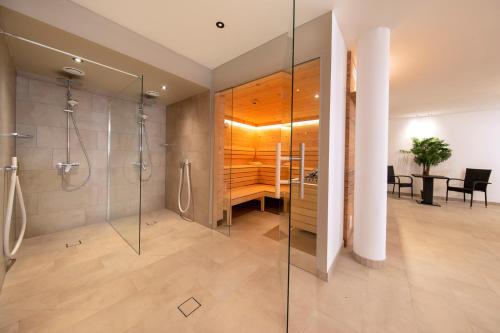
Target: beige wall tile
x: 40, y: 111
x: 27, y: 130
x: 39, y: 180
x: 32, y: 113
x: 51, y: 137
x: 34, y: 158
x: 57, y: 201
x: 41, y: 224
x: 47, y: 93
x: 95, y: 214
x: 100, y: 104
x: 182, y: 119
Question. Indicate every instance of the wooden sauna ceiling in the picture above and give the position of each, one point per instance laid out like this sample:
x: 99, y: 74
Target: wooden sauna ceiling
x: 266, y: 101
x: 38, y: 61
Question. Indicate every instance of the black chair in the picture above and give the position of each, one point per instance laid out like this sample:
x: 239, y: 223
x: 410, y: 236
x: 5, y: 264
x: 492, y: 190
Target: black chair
x: 394, y: 180
x: 475, y: 180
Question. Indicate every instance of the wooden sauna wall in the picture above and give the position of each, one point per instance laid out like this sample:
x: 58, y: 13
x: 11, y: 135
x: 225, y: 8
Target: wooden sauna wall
x: 239, y: 153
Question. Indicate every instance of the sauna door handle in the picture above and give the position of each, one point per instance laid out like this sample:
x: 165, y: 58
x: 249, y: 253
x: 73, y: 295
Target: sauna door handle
x: 302, y: 162
x: 302, y: 169
x: 301, y: 158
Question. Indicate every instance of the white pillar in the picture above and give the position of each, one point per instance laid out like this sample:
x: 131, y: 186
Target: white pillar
x: 371, y: 146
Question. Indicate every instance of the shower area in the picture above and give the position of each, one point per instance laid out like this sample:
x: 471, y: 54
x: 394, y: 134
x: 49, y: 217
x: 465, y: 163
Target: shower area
x: 88, y: 153
x: 94, y: 146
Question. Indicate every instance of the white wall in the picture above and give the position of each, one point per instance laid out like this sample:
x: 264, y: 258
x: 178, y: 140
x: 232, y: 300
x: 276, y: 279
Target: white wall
x: 337, y: 143
x: 474, y: 138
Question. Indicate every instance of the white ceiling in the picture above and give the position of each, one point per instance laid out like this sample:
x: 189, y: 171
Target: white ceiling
x: 188, y: 27
x: 444, y: 53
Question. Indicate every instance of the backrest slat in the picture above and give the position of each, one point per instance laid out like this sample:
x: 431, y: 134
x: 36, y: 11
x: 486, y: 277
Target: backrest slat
x: 390, y: 175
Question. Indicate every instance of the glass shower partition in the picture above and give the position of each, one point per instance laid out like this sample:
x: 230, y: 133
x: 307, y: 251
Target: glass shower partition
x: 125, y: 161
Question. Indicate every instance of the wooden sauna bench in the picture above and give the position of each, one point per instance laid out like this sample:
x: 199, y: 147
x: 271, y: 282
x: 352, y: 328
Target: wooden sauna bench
x: 247, y: 182
x: 253, y: 182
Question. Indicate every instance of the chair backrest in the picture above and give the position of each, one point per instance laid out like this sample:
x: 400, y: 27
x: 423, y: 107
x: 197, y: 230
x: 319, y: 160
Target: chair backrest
x: 391, y: 179
x: 472, y: 175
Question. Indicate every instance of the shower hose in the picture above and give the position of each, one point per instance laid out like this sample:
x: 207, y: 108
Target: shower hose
x: 185, y: 169
x: 14, y: 185
x: 65, y: 185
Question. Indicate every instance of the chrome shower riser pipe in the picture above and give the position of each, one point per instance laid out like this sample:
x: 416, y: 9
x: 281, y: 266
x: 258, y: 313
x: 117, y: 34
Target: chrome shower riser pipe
x: 68, y: 137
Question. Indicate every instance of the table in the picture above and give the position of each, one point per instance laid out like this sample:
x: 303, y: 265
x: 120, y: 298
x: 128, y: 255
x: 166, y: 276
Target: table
x: 428, y: 191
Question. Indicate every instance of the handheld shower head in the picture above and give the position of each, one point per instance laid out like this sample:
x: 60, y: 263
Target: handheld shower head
x: 72, y: 102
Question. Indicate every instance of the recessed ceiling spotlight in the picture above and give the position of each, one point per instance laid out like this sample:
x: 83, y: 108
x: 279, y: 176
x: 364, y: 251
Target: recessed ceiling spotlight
x: 163, y: 87
x: 298, y: 90
x: 220, y: 25
x: 77, y: 60
x: 316, y: 96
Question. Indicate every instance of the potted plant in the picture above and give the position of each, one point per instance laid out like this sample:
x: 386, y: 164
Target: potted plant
x: 429, y: 152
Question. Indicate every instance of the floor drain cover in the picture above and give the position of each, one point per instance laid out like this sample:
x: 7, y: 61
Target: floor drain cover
x: 79, y: 242
x: 189, y: 306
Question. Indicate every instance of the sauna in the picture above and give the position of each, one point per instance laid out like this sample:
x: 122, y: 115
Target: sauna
x: 267, y: 154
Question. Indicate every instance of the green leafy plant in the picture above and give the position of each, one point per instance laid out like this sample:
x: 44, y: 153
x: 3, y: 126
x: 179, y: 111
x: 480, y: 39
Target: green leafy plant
x: 429, y: 152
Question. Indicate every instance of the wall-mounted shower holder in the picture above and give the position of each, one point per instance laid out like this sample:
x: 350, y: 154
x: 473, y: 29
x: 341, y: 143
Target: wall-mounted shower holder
x: 66, y: 167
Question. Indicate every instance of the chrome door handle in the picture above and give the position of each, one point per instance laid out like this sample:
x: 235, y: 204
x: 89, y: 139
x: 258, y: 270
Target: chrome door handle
x: 301, y: 169
x: 277, y: 176
x: 302, y: 161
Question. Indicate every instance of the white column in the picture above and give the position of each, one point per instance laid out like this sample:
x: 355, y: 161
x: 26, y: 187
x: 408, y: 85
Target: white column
x: 371, y: 146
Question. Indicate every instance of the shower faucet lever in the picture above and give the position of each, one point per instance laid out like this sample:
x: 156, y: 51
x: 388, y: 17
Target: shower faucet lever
x: 66, y: 167
x: 142, y: 165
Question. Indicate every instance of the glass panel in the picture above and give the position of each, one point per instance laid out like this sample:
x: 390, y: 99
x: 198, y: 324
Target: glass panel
x: 308, y: 238
x: 305, y: 137
x: 125, y: 163
x: 252, y: 164
x: 223, y: 133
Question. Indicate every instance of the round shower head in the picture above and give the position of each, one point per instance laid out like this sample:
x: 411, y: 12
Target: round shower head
x: 73, y: 71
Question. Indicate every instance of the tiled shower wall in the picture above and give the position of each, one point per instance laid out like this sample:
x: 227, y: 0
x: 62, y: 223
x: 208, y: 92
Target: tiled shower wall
x: 39, y: 112
x: 188, y: 124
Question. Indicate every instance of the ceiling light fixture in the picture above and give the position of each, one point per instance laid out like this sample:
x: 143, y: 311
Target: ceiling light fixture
x: 220, y: 25
x: 163, y: 87
x: 274, y: 126
x: 78, y: 60
x: 316, y: 96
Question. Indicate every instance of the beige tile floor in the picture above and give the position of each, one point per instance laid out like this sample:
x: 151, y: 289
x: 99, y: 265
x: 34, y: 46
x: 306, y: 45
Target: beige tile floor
x: 442, y: 275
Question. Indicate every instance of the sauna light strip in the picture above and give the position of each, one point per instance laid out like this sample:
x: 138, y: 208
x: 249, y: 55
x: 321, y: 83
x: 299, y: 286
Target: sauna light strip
x: 266, y: 127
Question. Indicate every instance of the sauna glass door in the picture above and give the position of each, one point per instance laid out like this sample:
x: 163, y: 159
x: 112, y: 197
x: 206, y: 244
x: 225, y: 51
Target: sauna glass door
x: 305, y: 152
